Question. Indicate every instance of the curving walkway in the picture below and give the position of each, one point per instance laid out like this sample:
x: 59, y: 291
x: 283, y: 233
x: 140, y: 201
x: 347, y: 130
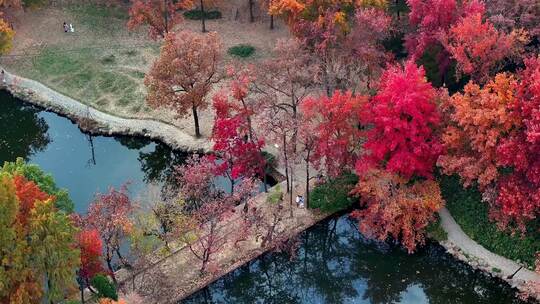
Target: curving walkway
x: 39, y: 94
x: 507, y: 267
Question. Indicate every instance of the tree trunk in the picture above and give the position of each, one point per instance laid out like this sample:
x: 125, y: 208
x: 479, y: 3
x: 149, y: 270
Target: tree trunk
x: 205, y: 261
x: 251, y: 17
x: 265, y: 180
x: 291, y: 193
x: 307, y: 180
x: 166, y: 18
x: 271, y: 22
x: 82, y: 295
x: 286, y: 162
x: 203, y: 17
x: 108, y: 259
x: 122, y: 259
x: 196, y: 120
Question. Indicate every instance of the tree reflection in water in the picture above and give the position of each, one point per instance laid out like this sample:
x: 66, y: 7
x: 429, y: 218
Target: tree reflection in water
x: 22, y: 131
x: 336, y: 264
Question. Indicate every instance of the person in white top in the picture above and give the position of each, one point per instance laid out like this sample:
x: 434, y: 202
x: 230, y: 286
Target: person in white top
x: 71, y: 29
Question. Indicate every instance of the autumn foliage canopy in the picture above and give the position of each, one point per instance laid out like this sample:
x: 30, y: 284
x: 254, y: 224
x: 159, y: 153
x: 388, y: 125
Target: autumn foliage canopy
x: 404, y: 119
x: 394, y: 209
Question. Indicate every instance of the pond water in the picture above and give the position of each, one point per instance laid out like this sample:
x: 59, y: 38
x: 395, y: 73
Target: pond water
x: 335, y: 264
x: 81, y: 163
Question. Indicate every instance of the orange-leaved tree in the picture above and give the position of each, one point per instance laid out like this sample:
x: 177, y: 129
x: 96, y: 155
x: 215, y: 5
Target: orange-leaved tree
x: 6, y: 37
x: 184, y: 73
x: 296, y: 10
x: 392, y: 208
x: 479, y: 48
x: 161, y: 16
x: 478, y: 119
x: 31, y: 228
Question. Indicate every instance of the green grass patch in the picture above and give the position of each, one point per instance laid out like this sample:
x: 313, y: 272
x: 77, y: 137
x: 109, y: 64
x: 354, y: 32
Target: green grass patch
x: 196, y: 14
x: 435, y: 231
x: 241, y: 50
x: 88, y: 77
x: 333, y: 195
x: 471, y: 214
x: 99, y: 17
x: 137, y: 74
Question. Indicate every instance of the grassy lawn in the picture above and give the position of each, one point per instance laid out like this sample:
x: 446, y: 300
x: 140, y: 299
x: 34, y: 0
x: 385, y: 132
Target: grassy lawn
x: 101, y: 64
x: 92, y: 16
x: 104, y: 78
x: 471, y: 214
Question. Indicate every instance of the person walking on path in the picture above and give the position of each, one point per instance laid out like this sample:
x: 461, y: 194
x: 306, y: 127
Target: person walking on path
x: 301, y: 202
x: 71, y: 29
x: 65, y: 27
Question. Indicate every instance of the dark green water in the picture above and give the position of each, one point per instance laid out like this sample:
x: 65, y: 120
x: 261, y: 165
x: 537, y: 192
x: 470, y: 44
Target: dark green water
x: 335, y: 264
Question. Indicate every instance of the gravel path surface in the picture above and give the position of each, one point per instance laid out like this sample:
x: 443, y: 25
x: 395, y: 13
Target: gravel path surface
x: 459, y: 239
x: 107, y: 124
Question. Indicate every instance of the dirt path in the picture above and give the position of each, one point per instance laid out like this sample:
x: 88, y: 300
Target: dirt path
x: 41, y: 95
x: 463, y: 247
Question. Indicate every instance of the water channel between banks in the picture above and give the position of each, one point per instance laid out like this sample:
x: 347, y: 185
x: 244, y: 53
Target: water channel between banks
x: 335, y: 264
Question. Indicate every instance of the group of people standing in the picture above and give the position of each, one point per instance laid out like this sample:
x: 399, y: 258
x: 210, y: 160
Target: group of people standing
x: 68, y: 28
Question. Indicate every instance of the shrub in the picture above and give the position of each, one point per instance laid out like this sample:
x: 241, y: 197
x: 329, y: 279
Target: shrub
x: 242, y: 50
x: 104, y: 287
x: 435, y: 231
x: 109, y: 59
x: 472, y: 215
x: 275, y: 196
x: 333, y: 195
x: 197, y: 14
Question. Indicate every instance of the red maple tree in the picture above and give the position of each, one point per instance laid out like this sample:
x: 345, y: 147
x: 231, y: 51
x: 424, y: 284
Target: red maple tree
x: 28, y: 193
x: 109, y: 214
x: 335, y: 120
x: 518, y: 201
x: 236, y: 144
x: 478, y: 47
x: 403, y: 117
x: 161, y: 16
x: 91, y: 247
x: 432, y: 20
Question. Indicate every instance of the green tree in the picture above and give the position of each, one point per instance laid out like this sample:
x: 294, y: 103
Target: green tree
x: 17, y: 281
x: 52, y: 239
